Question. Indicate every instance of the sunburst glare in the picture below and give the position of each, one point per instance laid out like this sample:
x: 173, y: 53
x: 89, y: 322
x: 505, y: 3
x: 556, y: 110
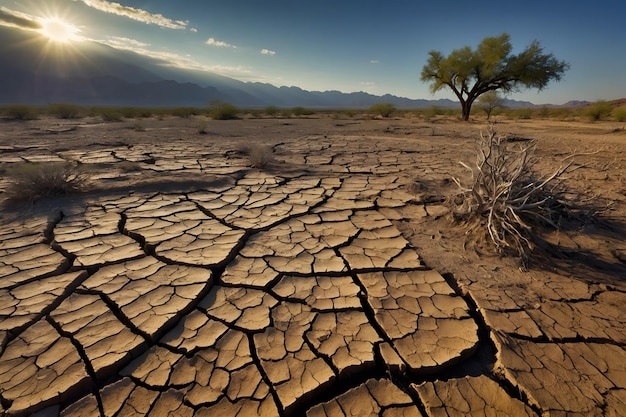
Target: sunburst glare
x: 58, y: 30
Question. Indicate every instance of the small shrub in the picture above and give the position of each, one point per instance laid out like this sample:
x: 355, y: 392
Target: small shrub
x: 259, y: 155
x: 33, y: 181
x: 504, y: 201
x: 619, y: 114
x: 184, y: 112
x: 301, y: 111
x: 202, y: 124
x: 110, y: 115
x: 383, y: 109
x: 524, y: 114
x: 220, y: 110
x: 598, y: 111
x: 20, y: 112
x: 64, y: 110
x: 271, y: 111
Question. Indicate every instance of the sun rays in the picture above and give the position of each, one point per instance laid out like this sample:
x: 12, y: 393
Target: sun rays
x: 58, y: 30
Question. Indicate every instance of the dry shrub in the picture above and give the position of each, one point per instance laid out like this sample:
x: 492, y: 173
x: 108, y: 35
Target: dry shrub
x: 259, y: 155
x: 34, y: 181
x: 504, y: 201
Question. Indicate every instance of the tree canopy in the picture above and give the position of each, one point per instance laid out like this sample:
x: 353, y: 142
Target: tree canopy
x: 491, y: 66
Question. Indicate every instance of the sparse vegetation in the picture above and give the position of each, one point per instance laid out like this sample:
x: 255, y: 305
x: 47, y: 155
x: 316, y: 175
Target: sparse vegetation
x: 505, y: 201
x: 20, y: 112
x: 490, y: 101
x: 220, y: 110
x: 64, y: 110
x: 34, y: 181
x: 271, y: 111
x: 259, y: 155
x: 600, y: 110
x: 202, y: 124
x: 619, y: 114
x: 301, y: 111
x: 383, y: 109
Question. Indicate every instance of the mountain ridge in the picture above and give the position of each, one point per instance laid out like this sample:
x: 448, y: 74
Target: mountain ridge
x: 36, y: 71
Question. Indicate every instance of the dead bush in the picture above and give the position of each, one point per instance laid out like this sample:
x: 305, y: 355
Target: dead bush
x: 504, y: 201
x: 259, y: 155
x: 34, y: 181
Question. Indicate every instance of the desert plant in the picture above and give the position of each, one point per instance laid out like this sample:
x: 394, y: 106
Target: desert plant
x: 490, y: 101
x: 33, y: 181
x: 259, y: 155
x: 383, y: 109
x: 301, y: 111
x: 184, y: 112
x: 598, y: 110
x: 470, y: 73
x: 220, y: 110
x: 202, y: 124
x: 109, y: 114
x: 619, y: 114
x: 20, y: 112
x: 271, y: 111
x: 504, y: 201
x: 64, y: 110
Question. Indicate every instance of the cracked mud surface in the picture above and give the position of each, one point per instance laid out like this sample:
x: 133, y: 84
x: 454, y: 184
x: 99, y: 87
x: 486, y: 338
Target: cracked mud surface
x: 186, y: 283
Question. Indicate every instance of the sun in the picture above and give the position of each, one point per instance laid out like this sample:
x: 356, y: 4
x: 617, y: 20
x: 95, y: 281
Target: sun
x: 58, y: 30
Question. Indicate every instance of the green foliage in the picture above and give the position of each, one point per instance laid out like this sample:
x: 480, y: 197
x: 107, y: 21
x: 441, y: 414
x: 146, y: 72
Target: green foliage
x: 598, y: 111
x: 33, y: 181
x: 20, y: 112
x: 489, y: 101
x: 301, y: 111
x: 491, y: 66
x: 110, y: 114
x: 220, y: 110
x: 383, y: 109
x: 64, y: 110
x: 184, y: 112
x: 271, y: 111
x: 619, y: 114
x: 525, y: 113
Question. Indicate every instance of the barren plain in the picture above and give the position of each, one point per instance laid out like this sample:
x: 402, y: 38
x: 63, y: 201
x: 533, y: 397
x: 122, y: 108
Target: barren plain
x: 330, y: 282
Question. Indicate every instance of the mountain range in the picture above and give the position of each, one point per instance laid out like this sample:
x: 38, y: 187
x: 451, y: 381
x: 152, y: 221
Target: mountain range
x: 36, y: 71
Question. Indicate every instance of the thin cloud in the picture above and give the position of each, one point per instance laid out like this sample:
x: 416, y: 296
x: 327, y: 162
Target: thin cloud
x: 268, y: 52
x: 13, y: 18
x: 121, y: 43
x: 221, y: 44
x: 136, y: 14
x: 171, y: 59
x: 374, y: 61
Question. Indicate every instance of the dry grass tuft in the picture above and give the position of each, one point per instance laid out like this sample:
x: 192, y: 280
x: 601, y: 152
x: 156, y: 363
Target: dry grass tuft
x: 259, y: 155
x: 504, y: 201
x: 34, y: 181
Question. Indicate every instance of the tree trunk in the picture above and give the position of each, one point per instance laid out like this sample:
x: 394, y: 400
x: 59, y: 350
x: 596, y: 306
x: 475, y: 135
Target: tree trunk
x: 466, y: 106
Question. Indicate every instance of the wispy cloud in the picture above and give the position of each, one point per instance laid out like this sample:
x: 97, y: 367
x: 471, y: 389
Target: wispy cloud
x: 374, y: 61
x: 268, y: 52
x: 136, y: 14
x: 125, y: 43
x: 172, y: 59
x: 13, y: 18
x: 221, y: 44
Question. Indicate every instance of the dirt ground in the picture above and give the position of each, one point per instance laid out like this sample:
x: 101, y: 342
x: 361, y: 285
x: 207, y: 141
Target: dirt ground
x: 590, y: 250
x: 585, y: 264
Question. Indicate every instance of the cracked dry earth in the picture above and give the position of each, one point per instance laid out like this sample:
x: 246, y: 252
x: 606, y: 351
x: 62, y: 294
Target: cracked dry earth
x: 186, y: 283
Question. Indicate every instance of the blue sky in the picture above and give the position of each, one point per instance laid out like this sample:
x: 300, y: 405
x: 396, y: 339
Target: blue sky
x: 373, y: 46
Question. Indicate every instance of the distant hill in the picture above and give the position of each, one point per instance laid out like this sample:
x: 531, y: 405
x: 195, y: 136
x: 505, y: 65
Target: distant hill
x: 97, y: 74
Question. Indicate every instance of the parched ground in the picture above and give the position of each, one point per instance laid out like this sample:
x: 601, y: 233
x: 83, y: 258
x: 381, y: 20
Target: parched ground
x: 331, y: 282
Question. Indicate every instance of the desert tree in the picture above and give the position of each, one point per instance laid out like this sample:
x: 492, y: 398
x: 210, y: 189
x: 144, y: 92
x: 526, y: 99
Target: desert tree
x: 470, y: 73
x: 490, y: 101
